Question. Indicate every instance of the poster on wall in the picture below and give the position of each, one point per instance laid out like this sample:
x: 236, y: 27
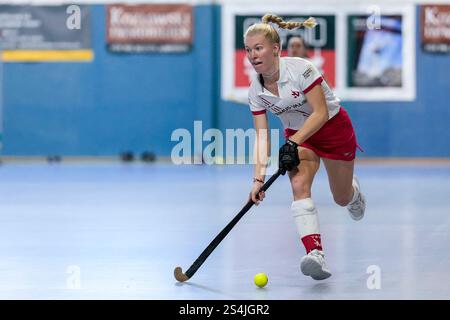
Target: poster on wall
x: 237, y: 72
x: 361, y: 60
x: 379, y: 55
x: 319, y: 42
x: 374, y: 54
x: 45, y: 33
x: 435, y: 28
x: 149, y: 28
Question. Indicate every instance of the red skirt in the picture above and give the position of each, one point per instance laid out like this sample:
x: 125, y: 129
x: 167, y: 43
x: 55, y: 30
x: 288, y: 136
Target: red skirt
x: 336, y: 139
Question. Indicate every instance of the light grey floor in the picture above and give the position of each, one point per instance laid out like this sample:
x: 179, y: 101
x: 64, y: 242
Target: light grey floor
x: 115, y: 231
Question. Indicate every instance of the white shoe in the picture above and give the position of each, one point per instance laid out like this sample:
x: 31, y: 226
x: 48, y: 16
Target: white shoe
x: 357, y: 208
x: 313, y: 264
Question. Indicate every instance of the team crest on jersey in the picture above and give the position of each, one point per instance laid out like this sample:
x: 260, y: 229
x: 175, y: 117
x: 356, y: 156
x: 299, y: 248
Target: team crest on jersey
x: 295, y: 94
x: 307, y: 73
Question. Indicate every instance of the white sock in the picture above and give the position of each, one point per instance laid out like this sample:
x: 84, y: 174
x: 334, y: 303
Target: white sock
x: 306, y: 217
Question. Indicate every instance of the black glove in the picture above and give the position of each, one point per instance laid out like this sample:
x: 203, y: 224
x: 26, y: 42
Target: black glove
x: 288, y: 159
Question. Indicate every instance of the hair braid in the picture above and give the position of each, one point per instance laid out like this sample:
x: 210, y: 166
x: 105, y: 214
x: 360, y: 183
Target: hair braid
x: 308, y: 23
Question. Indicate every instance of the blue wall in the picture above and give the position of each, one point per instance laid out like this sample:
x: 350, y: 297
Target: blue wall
x: 118, y: 102
x: 134, y: 102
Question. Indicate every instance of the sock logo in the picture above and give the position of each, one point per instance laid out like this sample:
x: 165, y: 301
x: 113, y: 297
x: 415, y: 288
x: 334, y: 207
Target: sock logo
x: 317, y: 242
x: 311, y: 242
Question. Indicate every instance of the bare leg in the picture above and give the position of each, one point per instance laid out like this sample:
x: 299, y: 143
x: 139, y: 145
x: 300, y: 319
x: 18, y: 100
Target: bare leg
x: 340, y: 176
x: 302, y: 177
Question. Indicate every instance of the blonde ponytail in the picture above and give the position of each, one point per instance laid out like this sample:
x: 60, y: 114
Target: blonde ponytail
x: 269, y: 31
x: 308, y: 23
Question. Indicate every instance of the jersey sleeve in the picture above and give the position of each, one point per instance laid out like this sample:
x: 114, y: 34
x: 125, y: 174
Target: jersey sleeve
x: 310, y: 76
x: 255, y: 108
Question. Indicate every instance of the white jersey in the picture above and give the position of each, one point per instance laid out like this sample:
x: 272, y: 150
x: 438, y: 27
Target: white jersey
x: 297, y: 77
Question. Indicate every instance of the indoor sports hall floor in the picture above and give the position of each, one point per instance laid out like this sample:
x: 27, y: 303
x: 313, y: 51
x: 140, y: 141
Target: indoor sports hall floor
x: 117, y: 231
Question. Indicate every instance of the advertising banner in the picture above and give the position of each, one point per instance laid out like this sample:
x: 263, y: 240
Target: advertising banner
x: 149, y: 27
x: 45, y: 33
x: 435, y: 28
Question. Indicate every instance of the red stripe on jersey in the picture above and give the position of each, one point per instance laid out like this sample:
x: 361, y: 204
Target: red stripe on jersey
x: 255, y: 113
x: 316, y: 82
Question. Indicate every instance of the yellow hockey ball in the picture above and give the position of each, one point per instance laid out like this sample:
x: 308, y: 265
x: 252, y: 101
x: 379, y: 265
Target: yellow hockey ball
x: 261, y: 280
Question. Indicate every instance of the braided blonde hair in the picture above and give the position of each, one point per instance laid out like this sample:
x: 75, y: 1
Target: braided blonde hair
x: 308, y: 23
x: 269, y: 31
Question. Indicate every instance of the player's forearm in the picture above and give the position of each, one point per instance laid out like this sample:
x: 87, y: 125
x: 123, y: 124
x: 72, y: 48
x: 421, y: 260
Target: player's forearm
x: 261, y: 153
x: 314, y: 122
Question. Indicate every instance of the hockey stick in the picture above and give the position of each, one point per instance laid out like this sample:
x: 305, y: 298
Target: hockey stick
x: 178, y: 273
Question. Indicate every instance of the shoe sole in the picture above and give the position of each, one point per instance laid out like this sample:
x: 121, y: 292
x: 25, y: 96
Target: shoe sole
x: 312, y: 268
